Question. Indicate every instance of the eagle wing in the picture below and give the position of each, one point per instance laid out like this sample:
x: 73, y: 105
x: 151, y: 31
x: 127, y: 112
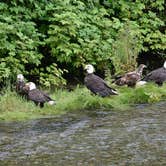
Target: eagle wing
x: 156, y: 75
x: 38, y: 96
x: 97, y: 85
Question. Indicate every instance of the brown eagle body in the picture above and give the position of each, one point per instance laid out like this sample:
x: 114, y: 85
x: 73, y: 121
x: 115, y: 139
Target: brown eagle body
x: 37, y: 96
x: 98, y: 86
x: 19, y: 87
x: 20, y: 84
x: 131, y: 78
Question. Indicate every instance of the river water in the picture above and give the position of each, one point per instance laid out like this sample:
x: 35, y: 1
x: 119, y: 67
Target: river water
x: 88, y: 138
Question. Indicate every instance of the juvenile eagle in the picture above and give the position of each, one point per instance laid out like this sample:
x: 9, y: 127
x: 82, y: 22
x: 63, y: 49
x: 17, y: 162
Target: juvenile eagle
x: 158, y: 75
x: 37, y: 96
x: 96, y: 84
x: 131, y: 78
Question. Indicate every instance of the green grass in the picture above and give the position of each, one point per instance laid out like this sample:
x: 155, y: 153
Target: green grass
x: 14, y: 108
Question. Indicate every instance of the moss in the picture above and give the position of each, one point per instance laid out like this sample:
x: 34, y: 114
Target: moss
x: 13, y: 107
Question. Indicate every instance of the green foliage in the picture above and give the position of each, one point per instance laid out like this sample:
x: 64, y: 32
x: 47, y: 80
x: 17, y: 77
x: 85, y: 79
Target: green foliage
x: 126, y: 47
x: 52, y: 77
x: 143, y: 30
x: 19, y: 40
x: 41, y: 38
x: 78, y: 34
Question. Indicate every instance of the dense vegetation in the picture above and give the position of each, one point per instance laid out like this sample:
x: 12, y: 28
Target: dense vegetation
x: 47, y: 39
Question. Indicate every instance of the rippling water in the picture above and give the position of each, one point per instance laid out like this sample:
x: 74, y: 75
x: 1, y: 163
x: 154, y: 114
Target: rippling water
x: 88, y: 138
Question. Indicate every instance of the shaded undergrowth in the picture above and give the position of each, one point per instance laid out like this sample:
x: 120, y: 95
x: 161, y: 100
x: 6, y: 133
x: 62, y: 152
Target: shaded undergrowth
x: 14, y: 107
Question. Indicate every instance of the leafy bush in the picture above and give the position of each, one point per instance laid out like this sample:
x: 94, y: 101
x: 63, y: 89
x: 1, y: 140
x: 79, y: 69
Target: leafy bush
x: 44, y: 39
x: 79, y: 34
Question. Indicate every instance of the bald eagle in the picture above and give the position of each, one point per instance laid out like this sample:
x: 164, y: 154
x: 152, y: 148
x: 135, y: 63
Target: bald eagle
x: 158, y: 75
x: 96, y: 84
x: 20, y: 84
x: 131, y: 78
x: 37, y: 96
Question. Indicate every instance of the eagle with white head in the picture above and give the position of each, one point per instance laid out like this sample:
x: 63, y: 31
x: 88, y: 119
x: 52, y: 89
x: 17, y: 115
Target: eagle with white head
x: 20, y: 84
x: 96, y: 84
x: 37, y: 96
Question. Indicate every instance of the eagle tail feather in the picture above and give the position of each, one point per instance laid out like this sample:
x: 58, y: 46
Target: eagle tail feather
x: 51, y: 102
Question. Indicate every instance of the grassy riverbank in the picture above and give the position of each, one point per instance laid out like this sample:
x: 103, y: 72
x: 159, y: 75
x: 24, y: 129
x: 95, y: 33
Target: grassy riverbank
x: 13, y: 107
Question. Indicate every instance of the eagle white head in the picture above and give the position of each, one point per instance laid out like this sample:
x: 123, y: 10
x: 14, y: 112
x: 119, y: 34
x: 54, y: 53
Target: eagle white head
x: 20, y: 77
x: 165, y: 65
x: 89, y: 68
x: 30, y: 85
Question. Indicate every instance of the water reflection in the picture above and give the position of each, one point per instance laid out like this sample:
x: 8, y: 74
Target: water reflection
x: 99, y: 138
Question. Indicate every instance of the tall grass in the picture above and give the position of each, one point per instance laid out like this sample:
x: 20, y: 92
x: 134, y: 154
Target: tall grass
x: 14, y: 107
x: 126, y: 48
